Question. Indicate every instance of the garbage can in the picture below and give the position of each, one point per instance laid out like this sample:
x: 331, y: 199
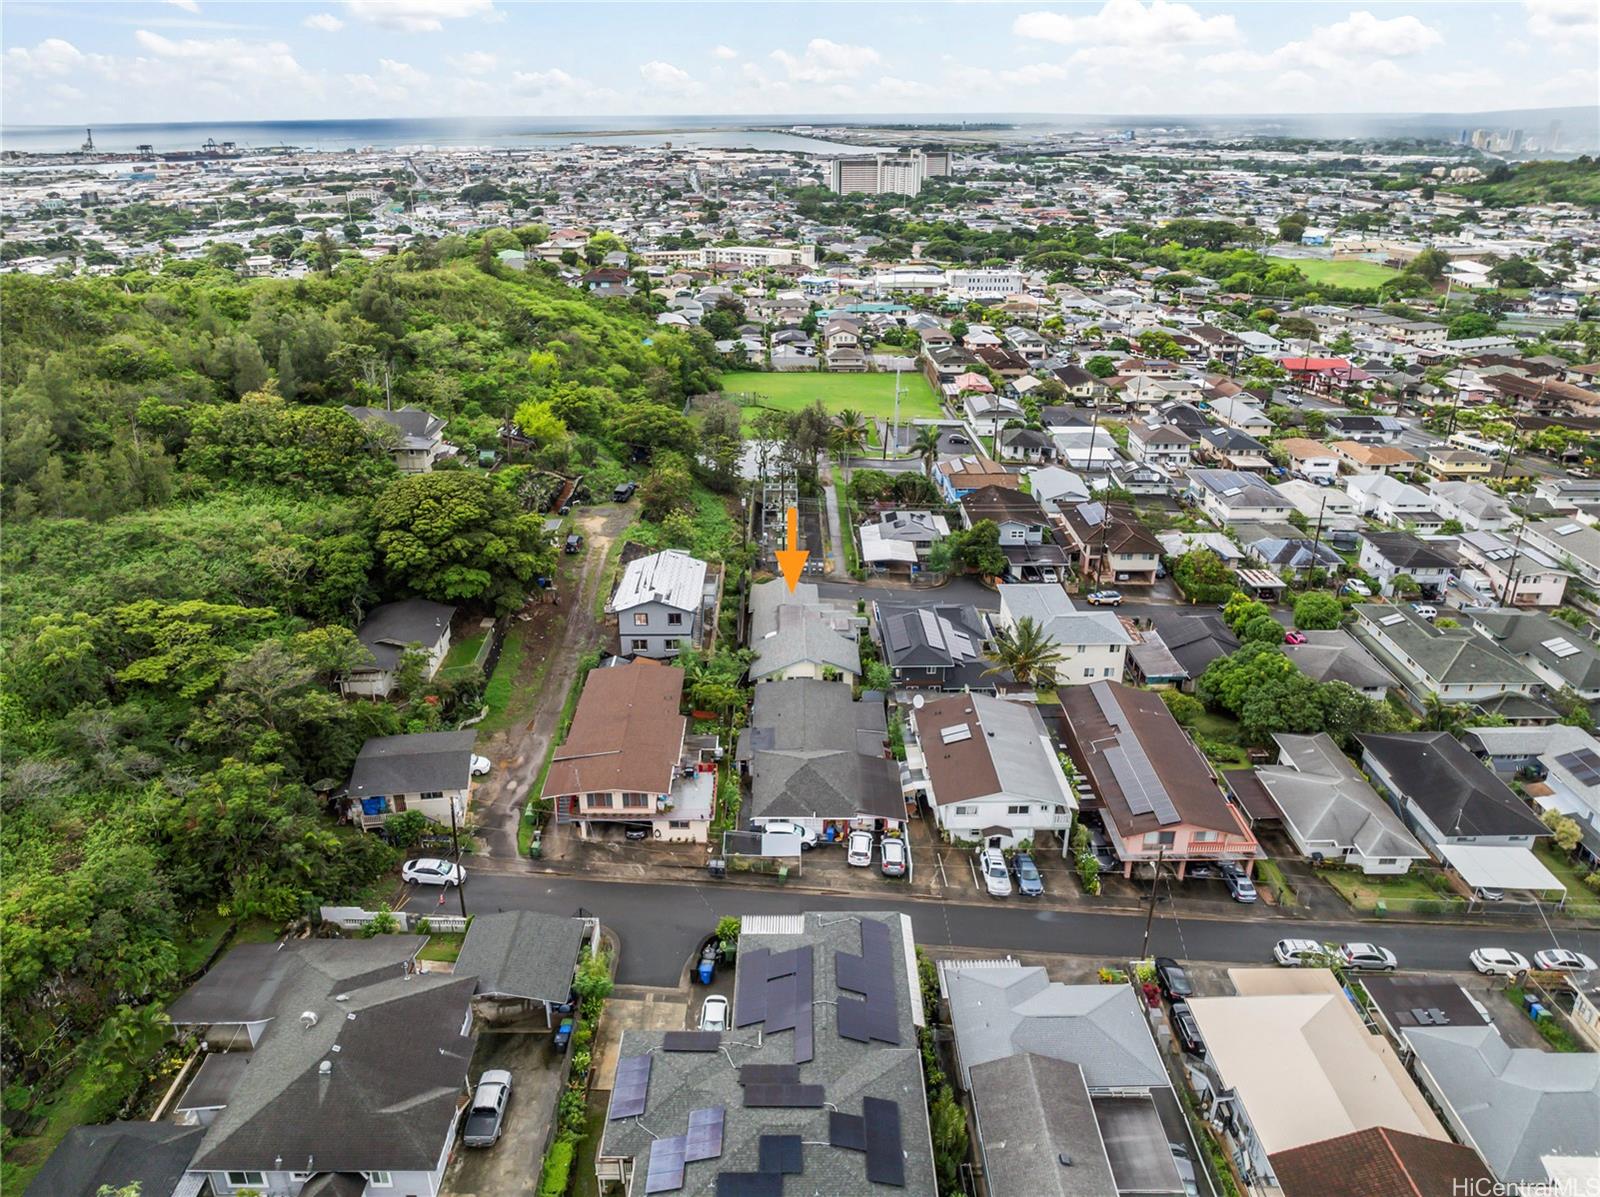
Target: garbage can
x: 717, y: 867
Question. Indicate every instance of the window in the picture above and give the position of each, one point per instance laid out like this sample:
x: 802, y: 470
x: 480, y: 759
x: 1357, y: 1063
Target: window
x: 641, y: 619
x: 599, y: 801
x: 677, y: 822
x: 379, y: 1180
x: 1387, y: 860
x: 1156, y: 839
x: 246, y: 1180
x: 1202, y: 837
x: 965, y: 811
x: 1110, y: 672
x: 639, y: 646
x: 1088, y: 673
x: 433, y: 794
x: 635, y: 800
x: 1024, y: 809
x: 670, y: 646
x: 674, y: 619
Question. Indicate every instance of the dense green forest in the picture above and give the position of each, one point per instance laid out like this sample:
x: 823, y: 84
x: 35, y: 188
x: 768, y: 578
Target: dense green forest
x: 1575, y: 182
x: 194, y: 529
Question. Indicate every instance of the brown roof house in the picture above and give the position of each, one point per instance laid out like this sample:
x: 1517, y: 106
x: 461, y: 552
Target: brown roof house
x: 1380, y: 1160
x: 1374, y: 459
x: 1154, y: 790
x: 627, y: 758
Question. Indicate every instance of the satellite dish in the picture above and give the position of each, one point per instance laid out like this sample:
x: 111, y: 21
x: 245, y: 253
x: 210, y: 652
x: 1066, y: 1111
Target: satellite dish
x: 916, y: 701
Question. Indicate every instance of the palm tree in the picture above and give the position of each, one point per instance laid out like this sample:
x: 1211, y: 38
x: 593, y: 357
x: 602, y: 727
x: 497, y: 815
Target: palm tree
x: 1438, y: 715
x: 926, y: 446
x: 849, y: 438
x: 1027, y: 652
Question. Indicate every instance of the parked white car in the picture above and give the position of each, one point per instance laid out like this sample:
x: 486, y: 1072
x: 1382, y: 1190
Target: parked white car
x: 1301, y: 953
x: 996, y: 877
x: 1560, y: 960
x: 860, y: 850
x: 714, y: 1013
x: 1499, y: 962
x: 428, y: 870
x: 1368, y: 956
x: 892, y: 857
x: 808, y: 838
x: 481, y: 765
x: 1357, y: 587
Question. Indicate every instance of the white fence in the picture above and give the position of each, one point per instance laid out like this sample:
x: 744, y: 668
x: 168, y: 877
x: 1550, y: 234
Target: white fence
x: 353, y: 918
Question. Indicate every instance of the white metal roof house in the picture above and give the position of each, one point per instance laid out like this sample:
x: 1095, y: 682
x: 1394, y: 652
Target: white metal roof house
x: 659, y: 604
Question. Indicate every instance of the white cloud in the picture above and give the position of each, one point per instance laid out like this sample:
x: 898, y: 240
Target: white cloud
x: 540, y: 83
x: 53, y: 56
x: 724, y: 52
x: 1130, y: 23
x: 825, y: 61
x: 665, y: 77
x: 392, y: 83
x: 186, y: 5
x: 474, y: 62
x: 324, y: 21
x: 223, y: 59
x: 1562, y: 18
x: 416, y: 16
x: 1363, y: 33
x: 907, y: 89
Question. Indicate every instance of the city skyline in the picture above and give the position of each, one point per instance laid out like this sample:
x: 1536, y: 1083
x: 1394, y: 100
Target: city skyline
x: 188, y: 60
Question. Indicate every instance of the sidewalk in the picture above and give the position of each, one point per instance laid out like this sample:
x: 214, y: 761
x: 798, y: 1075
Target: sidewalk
x: 830, y: 497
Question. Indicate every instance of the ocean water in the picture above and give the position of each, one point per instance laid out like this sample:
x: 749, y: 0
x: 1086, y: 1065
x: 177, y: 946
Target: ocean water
x: 497, y: 133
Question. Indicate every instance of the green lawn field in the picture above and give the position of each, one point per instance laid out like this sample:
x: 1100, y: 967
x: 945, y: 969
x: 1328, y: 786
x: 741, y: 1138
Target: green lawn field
x: 870, y: 394
x: 1341, y: 274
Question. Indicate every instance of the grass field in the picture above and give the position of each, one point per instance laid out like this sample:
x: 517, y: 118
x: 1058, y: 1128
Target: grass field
x: 1341, y: 274
x: 869, y: 394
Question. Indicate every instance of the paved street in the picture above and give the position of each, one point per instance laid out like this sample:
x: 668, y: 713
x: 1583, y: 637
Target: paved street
x: 659, y: 925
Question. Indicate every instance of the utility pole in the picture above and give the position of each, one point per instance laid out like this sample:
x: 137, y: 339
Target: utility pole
x: 1150, y: 914
x: 1511, y: 567
x: 455, y: 839
x: 1316, y: 542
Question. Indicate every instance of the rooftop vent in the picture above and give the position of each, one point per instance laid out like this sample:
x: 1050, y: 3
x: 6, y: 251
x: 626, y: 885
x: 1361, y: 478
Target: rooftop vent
x: 308, y: 1019
x: 325, y: 1068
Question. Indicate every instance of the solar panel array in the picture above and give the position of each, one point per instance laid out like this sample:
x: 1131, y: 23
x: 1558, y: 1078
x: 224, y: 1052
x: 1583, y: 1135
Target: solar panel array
x: 781, y: 1153
x: 1561, y: 647
x: 847, y: 1131
x: 871, y: 974
x: 774, y: 989
x: 886, y: 1161
x: 1389, y: 621
x: 783, y: 1097
x: 691, y: 1041
x: 664, y: 1172
x: 705, y: 1134
x: 1584, y: 765
x: 630, y: 1088
x: 1136, y: 776
x: 749, y: 1184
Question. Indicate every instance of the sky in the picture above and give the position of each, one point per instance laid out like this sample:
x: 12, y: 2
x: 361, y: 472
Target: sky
x: 197, y: 60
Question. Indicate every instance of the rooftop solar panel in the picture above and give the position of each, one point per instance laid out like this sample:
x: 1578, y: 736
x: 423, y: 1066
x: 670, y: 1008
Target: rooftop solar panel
x: 886, y: 1162
x: 691, y: 1041
x: 853, y: 1021
x: 749, y: 1184
x: 705, y: 1134
x: 664, y: 1173
x: 781, y: 1153
x: 750, y: 988
x: 847, y: 1131
x: 629, y: 1089
x: 769, y: 1074
x: 793, y: 1097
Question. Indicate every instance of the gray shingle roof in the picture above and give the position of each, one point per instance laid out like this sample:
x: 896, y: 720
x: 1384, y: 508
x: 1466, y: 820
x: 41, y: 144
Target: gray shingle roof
x: 153, y: 1155
x: 1328, y: 801
x: 522, y: 954
x: 1033, y: 1112
x: 1437, y: 773
x: 1333, y: 655
x: 388, y: 630
x: 813, y: 752
x: 998, y: 1010
x: 414, y: 764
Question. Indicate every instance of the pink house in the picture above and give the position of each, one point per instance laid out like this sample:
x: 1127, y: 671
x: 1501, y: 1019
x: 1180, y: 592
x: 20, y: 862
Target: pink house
x: 1155, y: 793
x: 974, y: 382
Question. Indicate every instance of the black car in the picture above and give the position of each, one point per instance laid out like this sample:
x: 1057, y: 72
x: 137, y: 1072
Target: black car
x: 1171, y: 979
x: 1187, y: 1029
x: 624, y: 492
x: 574, y: 543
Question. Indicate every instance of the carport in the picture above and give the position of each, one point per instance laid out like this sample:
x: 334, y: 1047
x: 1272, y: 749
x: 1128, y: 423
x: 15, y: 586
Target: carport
x: 523, y: 960
x: 1501, y: 867
x: 1261, y: 583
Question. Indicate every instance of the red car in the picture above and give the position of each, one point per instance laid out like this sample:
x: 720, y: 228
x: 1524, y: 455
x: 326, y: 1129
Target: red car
x: 1294, y: 637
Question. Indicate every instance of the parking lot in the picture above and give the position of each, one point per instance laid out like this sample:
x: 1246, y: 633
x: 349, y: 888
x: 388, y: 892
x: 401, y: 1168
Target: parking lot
x: 512, y: 1164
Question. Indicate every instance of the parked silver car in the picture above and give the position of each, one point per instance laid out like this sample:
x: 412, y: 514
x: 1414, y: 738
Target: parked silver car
x: 487, y: 1115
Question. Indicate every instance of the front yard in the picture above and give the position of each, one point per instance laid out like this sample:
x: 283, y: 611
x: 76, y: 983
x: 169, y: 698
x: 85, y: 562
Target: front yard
x: 1411, y: 891
x: 1581, y: 900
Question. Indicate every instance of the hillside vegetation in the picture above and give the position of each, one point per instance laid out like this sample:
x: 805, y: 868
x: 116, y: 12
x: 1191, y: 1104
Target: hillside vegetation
x: 1575, y: 182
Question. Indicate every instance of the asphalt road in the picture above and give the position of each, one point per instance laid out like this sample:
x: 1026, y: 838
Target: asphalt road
x: 660, y: 925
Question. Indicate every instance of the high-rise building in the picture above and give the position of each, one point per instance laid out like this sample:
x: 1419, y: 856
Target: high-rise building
x: 1516, y: 141
x: 886, y: 174
x: 1552, y: 137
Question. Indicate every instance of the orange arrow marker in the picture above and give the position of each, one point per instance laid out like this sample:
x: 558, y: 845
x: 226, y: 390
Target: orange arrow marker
x: 792, y: 561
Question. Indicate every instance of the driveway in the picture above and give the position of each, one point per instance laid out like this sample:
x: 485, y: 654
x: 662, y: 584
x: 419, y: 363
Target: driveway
x: 511, y: 1165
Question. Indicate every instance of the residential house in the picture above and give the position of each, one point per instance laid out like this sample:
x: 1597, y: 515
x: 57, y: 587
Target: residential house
x: 958, y: 477
x: 660, y: 605
x: 416, y: 442
x: 523, y: 961
x: 1393, y: 502
x: 1463, y: 814
x: 1310, y: 459
x: 815, y: 756
x: 1286, y: 551
x: 1157, y: 797
x: 1026, y: 444
x: 1455, y: 664
x: 900, y: 541
x: 1137, y: 478
x: 1194, y: 639
x: 1364, y: 457
x: 386, y: 633
x: 1388, y: 555
x: 989, y: 411
x: 938, y: 647
x: 1175, y: 543
x: 1106, y: 542
x: 1329, y: 810
x: 429, y: 772
x: 1558, y: 766
x: 335, y: 1035
x: 1457, y: 464
x: 628, y: 758
x: 987, y: 770
x: 819, y: 1074
x: 1230, y: 449
x: 798, y: 634
x: 1380, y: 1160
x: 111, y: 1157
x: 1055, y: 487
x: 1522, y: 1109
x: 1062, y: 1072
x: 1575, y: 545
x: 1291, y: 1062
x: 1165, y: 445
x: 1026, y: 536
x: 1559, y: 655
x: 1471, y: 504
x: 1514, y: 572
x: 1092, y: 644
x: 1238, y: 413
x: 1364, y: 428
x: 1333, y: 655
x: 1232, y: 497
x: 1086, y: 449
